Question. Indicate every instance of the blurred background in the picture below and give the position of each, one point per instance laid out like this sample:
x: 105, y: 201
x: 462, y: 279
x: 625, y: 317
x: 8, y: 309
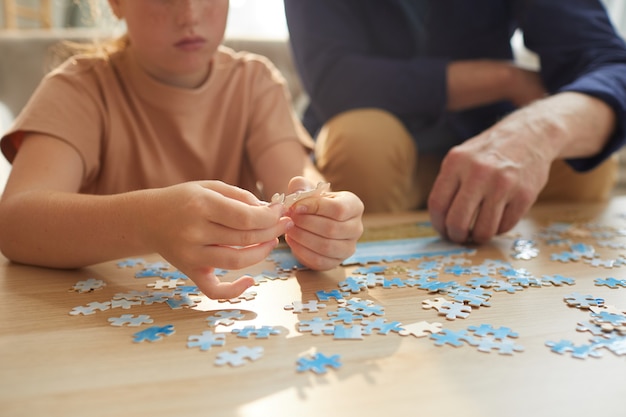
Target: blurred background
x: 29, y: 27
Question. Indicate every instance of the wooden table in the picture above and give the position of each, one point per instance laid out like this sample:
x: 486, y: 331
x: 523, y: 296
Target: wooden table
x: 56, y: 364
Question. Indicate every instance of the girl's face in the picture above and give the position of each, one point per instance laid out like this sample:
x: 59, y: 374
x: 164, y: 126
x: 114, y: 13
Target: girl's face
x: 174, y: 40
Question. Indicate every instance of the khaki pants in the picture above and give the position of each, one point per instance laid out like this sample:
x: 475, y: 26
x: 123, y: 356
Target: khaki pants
x: 370, y: 153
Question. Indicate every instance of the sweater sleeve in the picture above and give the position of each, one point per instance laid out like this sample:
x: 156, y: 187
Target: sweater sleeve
x: 579, y: 51
x: 332, y: 43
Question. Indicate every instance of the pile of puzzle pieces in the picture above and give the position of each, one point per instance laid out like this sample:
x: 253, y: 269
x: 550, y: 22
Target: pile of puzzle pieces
x: 346, y: 313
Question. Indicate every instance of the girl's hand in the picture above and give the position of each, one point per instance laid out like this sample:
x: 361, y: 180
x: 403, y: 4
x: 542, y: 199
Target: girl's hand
x: 326, y: 228
x: 200, y: 226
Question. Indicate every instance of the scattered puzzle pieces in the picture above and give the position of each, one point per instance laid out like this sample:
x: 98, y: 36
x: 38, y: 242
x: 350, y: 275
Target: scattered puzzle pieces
x: 355, y: 318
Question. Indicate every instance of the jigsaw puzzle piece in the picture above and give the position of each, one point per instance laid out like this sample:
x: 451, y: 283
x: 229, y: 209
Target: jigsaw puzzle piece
x: 206, y: 340
x: 239, y: 356
x: 154, y: 333
x: 319, y: 363
x: 420, y: 329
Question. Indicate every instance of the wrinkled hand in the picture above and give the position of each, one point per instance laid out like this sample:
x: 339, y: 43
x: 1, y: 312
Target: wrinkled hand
x: 326, y: 228
x: 199, y: 226
x: 488, y: 183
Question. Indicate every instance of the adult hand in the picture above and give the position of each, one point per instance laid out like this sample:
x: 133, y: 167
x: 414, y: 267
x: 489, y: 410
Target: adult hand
x: 326, y: 228
x: 474, y: 83
x: 199, y: 226
x: 488, y: 183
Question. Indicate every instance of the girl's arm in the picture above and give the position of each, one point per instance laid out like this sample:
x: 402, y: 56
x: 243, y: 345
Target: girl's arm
x: 195, y: 226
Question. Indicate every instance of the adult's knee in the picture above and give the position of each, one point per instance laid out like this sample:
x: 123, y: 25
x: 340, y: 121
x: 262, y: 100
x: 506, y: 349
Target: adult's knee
x: 566, y: 185
x: 369, y: 152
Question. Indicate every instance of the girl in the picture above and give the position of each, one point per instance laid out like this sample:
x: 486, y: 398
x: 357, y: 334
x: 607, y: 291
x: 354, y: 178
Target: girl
x: 112, y: 153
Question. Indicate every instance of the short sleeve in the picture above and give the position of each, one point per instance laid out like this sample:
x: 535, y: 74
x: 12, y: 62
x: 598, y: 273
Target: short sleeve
x: 67, y: 106
x: 272, y: 117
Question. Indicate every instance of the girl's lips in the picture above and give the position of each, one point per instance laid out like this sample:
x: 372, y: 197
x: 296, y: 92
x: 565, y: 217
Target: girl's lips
x: 190, y: 43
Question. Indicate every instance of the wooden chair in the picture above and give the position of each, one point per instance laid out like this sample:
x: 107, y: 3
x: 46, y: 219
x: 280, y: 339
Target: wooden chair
x: 15, y: 13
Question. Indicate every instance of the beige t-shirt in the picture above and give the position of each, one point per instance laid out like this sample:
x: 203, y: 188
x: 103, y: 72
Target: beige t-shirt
x: 133, y: 132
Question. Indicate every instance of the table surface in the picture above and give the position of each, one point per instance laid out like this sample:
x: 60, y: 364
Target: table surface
x: 53, y: 363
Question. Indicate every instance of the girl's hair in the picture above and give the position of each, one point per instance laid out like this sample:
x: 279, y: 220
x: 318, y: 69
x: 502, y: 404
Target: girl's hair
x: 101, y: 47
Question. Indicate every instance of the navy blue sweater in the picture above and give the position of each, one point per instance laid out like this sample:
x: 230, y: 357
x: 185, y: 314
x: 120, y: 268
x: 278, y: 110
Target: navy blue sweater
x: 365, y: 53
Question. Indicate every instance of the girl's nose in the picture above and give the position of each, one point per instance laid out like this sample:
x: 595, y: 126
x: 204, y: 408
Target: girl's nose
x: 188, y: 11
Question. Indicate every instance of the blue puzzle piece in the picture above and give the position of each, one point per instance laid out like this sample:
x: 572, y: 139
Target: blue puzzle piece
x: 504, y: 347
x: 499, y: 333
x: 481, y: 282
x: 153, y: 333
x: 557, y: 280
x: 344, y: 315
x: 382, y: 325
x: 317, y: 326
x: 285, y: 260
x: 364, y: 307
x: 423, y: 273
x: 364, y: 270
x: 342, y: 332
x: 561, y: 346
x: 611, y: 318
x: 148, y: 273
x: 173, y: 275
x: 584, y: 250
x: 393, y: 282
x: 565, y: 256
x: 239, y: 356
x: 353, y: 285
x: 131, y: 262
x: 262, y: 332
x: 450, y: 337
x: 319, y: 363
x: 457, y: 270
x: 225, y: 317
x: 327, y: 295
x: 403, y: 250
x: 611, y: 282
x: 183, y: 301
x: 581, y: 301
x: 206, y: 340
